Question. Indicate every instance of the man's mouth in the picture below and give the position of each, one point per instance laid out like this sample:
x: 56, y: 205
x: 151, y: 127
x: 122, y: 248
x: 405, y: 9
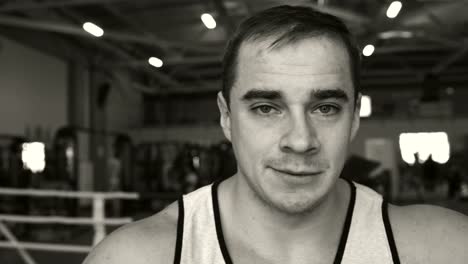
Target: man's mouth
x: 297, y: 173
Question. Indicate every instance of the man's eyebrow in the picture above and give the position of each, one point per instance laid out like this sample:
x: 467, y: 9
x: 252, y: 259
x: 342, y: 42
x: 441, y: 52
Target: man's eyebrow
x: 323, y: 94
x: 261, y: 94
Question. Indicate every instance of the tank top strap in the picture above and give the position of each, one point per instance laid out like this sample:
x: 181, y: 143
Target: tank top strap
x: 180, y: 231
x: 347, y: 224
x: 389, y: 232
x: 217, y: 219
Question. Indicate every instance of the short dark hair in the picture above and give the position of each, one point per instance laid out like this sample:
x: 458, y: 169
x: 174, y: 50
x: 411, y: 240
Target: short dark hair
x: 288, y: 24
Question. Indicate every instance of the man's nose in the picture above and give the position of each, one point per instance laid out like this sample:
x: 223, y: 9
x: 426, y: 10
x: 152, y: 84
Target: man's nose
x: 300, y: 136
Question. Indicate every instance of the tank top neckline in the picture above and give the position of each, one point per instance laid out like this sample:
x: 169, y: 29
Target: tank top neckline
x: 344, y: 233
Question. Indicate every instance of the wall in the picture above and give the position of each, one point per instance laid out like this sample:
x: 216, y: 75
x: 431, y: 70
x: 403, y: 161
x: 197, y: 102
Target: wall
x: 33, y: 90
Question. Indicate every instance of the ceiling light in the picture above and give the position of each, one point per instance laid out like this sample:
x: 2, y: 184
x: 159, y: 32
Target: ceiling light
x: 396, y: 34
x: 393, y: 9
x: 155, y: 62
x: 93, y: 29
x: 208, y: 20
x: 368, y: 50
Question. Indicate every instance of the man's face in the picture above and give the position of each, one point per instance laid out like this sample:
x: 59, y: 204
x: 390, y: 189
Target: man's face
x: 291, y: 120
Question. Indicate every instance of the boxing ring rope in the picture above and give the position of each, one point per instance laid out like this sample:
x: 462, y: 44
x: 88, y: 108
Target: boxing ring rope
x: 46, y: 247
x: 98, y: 219
x: 14, y: 243
x: 63, y: 220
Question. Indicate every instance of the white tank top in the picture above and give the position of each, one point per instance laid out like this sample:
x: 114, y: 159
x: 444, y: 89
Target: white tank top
x: 366, y: 237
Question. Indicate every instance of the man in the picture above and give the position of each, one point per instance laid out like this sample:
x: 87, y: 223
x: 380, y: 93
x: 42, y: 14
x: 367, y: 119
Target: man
x: 290, y: 106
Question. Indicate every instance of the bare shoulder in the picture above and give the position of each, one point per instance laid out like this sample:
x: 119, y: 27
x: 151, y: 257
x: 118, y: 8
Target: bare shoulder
x: 429, y: 234
x: 150, y: 240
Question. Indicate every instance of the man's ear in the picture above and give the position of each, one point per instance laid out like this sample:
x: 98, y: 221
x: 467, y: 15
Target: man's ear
x: 356, y: 117
x: 225, y: 119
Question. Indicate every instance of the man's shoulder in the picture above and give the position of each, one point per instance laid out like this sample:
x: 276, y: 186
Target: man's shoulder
x: 429, y: 234
x: 150, y: 240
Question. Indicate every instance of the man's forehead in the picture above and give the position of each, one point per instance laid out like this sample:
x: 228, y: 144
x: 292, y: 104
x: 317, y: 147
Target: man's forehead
x: 261, y: 46
x: 317, y: 55
x: 296, y: 68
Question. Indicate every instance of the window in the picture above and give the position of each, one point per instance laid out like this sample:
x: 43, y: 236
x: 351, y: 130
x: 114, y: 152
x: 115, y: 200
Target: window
x: 425, y: 144
x: 33, y: 156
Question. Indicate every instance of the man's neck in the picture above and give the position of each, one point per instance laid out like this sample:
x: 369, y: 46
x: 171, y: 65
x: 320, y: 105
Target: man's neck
x: 248, y: 218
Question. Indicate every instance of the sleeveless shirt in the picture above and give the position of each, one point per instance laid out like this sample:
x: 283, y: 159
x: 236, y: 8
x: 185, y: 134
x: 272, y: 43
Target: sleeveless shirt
x: 366, y: 236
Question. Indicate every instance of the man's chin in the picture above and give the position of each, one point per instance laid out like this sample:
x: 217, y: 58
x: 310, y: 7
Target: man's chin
x: 302, y: 199
x: 296, y: 206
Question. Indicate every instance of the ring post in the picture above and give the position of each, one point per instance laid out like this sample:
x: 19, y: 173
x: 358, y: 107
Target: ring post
x: 98, y: 217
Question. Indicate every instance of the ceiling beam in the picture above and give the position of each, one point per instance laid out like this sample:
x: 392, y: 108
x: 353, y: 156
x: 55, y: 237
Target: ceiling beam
x: 136, y: 27
x: 27, y: 5
x: 408, y: 48
x: 342, y: 13
x: 123, y: 54
x: 447, y: 42
x: 172, y: 62
x: 400, y: 82
x: 445, y: 63
x: 150, y: 41
x: 151, y: 36
x: 193, y: 60
x: 68, y: 51
x: 207, y: 87
x: 386, y: 72
x: 14, y: 21
x: 53, y: 45
x: 224, y: 16
x: 400, y: 72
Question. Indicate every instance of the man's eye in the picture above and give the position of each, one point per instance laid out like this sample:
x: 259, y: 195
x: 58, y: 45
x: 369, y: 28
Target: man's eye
x: 264, y: 109
x: 327, y: 109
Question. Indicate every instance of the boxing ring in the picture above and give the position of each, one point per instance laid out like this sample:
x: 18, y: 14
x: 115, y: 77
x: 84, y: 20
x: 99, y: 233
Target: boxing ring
x: 98, y: 220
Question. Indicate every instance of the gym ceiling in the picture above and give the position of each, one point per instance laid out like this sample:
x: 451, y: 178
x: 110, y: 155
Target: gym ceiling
x: 427, y: 37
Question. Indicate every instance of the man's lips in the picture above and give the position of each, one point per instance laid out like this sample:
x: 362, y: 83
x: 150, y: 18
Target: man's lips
x: 297, y: 172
